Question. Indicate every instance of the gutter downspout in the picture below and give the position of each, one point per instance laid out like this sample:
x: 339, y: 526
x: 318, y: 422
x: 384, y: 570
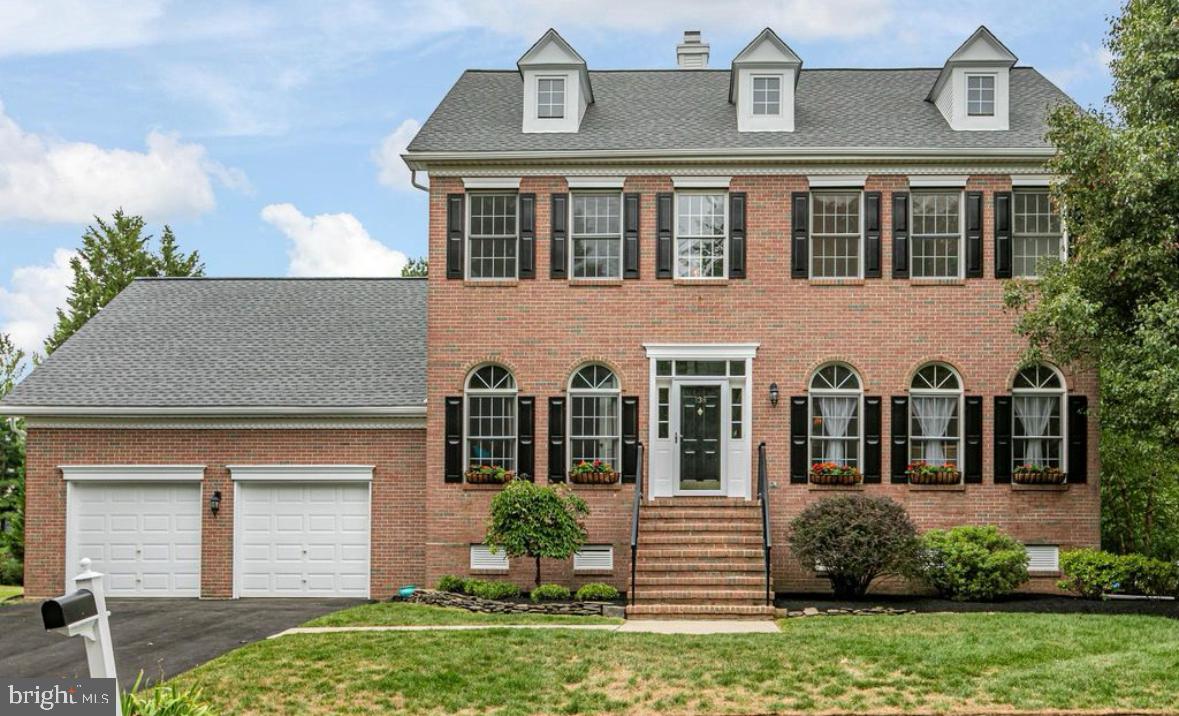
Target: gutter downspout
x: 413, y: 179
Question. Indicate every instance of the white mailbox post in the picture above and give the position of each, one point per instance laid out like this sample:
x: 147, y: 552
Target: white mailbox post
x: 84, y: 614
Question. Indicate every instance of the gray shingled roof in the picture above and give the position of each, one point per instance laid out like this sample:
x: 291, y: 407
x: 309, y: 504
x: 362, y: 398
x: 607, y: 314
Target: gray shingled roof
x: 689, y: 109
x: 206, y: 343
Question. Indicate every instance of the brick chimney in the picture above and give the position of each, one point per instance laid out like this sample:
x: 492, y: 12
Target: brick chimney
x: 692, y: 53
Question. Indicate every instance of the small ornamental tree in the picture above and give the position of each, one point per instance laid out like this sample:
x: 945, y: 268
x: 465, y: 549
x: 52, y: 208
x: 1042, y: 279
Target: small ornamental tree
x: 855, y: 539
x: 530, y: 520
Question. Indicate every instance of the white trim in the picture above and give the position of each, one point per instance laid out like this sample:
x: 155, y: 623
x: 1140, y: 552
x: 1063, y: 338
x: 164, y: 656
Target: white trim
x: 700, y: 351
x: 1040, y: 180
x: 181, y: 423
x: 701, y: 182
x: 108, y: 411
x: 580, y: 182
x: 301, y: 473
x: 835, y: 181
x: 937, y: 182
x: 476, y: 183
x: 132, y: 473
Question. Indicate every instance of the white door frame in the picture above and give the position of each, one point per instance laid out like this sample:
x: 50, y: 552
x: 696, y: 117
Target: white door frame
x: 675, y: 408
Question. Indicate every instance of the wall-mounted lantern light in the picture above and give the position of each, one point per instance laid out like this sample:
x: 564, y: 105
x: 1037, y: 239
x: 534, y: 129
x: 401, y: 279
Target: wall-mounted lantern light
x: 215, y: 502
x: 774, y: 394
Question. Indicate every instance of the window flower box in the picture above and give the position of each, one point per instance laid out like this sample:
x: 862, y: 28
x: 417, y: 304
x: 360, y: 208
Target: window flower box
x: 922, y: 473
x: 489, y: 475
x: 1037, y: 475
x: 832, y: 473
x: 593, y: 473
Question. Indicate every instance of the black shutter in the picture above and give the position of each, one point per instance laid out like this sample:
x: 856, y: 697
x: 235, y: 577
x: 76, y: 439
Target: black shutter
x: 663, y: 220
x: 630, y: 438
x: 559, y: 221
x: 799, y: 236
x: 528, y: 236
x: 900, y: 438
x: 454, y: 235
x: 872, y: 234
x: 525, y: 434
x: 1078, y: 438
x: 557, y: 464
x: 872, y: 428
x: 900, y: 235
x: 630, y: 235
x: 1002, y: 454
x: 454, y: 439
x: 799, y: 460
x: 737, y: 235
x: 1003, y: 234
x: 974, y: 247
x: 972, y: 460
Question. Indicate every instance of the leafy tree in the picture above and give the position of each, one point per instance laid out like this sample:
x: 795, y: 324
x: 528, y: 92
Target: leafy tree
x: 530, y: 520
x: 12, y: 469
x: 113, y: 254
x: 416, y: 268
x: 1139, y: 496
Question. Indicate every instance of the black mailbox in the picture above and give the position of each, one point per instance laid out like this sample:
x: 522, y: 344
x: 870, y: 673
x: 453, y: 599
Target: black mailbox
x: 68, y: 609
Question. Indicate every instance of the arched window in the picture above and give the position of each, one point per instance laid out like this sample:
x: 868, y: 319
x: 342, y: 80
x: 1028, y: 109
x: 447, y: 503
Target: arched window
x: 1037, y: 431
x: 935, y: 407
x: 836, y: 396
x: 594, y: 422
x: 491, y: 418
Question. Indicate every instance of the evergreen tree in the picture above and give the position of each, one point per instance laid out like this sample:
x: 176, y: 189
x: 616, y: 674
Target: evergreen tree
x: 416, y: 268
x: 12, y: 471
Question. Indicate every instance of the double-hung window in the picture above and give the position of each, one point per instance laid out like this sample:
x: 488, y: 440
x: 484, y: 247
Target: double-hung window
x: 700, y: 226
x: 980, y: 95
x: 597, y: 236
x: 937, y: 234
x: 836, y: 396
x: 1037, y: 431
x: 767, y: 95
x: 491, y: 418
x: 935, y: 399
x: 492, y: 235
x: 835, y: 234
x: 1036, y: 235
x: 550, y: 97
x: 594, y: 417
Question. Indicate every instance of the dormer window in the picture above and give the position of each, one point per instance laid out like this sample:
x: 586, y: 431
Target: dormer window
x: 550, y: 97
x: 980, y: 95
x: 767, y: 95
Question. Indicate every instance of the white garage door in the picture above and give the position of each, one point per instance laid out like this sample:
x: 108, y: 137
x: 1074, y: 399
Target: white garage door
x: 145, y: 537
x: 303, y: 539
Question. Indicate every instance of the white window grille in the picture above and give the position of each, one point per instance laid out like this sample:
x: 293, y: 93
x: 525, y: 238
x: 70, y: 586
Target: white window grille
x: 595, y: 424
x: 550, y: 97
x: 597, y: 236
x: 491, y: 418
x: 767, y: 95
x: 700, y: 235
x: 835, y: 397
x: 1036, y: 236
x: 937, y: 234
x: 980, y: 95
x: 1037, y: 427
x: 492, y: 236
x: 935, y: 404
x: 835, y: 235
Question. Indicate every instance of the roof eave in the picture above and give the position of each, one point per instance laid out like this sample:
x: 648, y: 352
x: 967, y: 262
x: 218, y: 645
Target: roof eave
x: 25, y: 411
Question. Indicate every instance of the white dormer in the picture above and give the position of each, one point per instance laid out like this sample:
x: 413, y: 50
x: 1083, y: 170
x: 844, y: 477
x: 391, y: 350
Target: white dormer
x: 762, y: 84
x: 556, y: 86
x: 971, y: 91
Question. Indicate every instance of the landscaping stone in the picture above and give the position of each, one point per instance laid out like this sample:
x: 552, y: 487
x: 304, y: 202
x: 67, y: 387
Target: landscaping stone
x: 838, y: 611
x: 492, y: 606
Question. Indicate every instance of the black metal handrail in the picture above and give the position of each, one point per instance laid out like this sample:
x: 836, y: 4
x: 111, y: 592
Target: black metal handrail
x: 634, y: 520
x: 763, y: 495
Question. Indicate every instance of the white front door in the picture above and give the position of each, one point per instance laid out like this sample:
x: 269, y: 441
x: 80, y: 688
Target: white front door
x: 699, y: 409
x: 145, y: 537
x: 302, y: 539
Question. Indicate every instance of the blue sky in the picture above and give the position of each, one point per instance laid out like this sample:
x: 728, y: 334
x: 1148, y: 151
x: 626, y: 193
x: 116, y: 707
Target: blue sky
x: 266, y: 133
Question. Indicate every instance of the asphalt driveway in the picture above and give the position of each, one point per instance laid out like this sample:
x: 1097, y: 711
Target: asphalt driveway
x: 161, y: 637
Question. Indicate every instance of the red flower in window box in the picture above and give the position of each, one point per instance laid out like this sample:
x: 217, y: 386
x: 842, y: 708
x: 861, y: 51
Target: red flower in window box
x: 923, y: 473
x: 832, y: 473
x: 489, y: 475
x: 593, y: 473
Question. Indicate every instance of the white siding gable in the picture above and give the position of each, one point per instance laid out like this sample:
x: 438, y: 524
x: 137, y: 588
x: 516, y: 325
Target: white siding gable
x: 981, y: 54
x: 552, y: 58
x: 771, y: 58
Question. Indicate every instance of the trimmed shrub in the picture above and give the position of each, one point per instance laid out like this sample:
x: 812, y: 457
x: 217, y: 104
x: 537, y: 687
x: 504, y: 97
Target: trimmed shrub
x: 550, y: 593
x: 452, y: 583
x: 1139, y: 574
x: 973, y: 563
x: 596, y: 592
x: 855, y: 539
x: 491, y: 589
x: 1091, y: 573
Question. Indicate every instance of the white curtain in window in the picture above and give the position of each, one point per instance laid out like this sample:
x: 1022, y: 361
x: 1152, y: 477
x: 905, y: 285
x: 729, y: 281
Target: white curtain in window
x: 933, y: 414
x: 1034, y: 414
x: 837, y: 413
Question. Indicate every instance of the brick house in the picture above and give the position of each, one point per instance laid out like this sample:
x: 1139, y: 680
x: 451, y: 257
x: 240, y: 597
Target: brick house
x: 662, y: 270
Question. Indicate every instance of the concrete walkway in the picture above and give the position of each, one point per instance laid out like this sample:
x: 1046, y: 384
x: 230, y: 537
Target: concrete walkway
x: 647, y: 626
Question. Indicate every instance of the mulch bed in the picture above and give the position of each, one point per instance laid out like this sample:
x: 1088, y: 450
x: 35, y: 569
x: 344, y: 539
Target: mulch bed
x: 1033, y: 603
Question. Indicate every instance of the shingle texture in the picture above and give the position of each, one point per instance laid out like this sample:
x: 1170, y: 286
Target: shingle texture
x: 243, y: 343
x: 689, y: 109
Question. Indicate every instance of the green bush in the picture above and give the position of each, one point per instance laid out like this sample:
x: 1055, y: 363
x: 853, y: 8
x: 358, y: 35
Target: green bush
x: 12, y: 572
x: 1139, y: 574
x: 973, y: 563
x: 452, y: 583
x: 166, y: 700
x: 550, y: 593
x: 596, y: 592
x: 855, y: 539
x: 530, y: 520
x: 490, y: 589
x: 1090, y: 573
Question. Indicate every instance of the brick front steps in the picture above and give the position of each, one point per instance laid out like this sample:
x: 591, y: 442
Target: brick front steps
x: 700, y: 558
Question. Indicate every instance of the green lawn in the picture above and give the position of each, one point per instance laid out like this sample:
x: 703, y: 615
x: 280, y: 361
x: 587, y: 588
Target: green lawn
x: 402, y: 614
x: 9, y: 591
x: 911, y: 664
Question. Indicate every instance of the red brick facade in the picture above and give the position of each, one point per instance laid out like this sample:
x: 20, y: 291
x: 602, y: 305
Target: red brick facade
x: 542, y: 329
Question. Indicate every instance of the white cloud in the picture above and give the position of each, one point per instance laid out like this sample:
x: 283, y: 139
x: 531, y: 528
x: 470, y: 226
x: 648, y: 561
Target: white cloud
x: 28, y: 310
x: 45, y: 26
x: 52, y: 180
x: 391, y: 170
x: 331, y: 245
x: 1088, y: 63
